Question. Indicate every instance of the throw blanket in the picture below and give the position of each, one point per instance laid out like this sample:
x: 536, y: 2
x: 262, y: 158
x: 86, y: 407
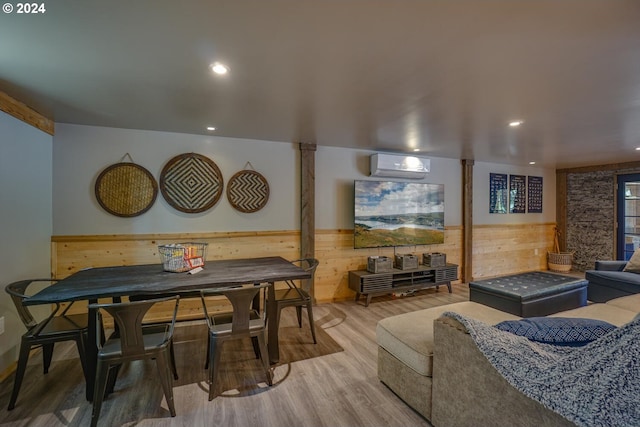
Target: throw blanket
x: 594, y: 385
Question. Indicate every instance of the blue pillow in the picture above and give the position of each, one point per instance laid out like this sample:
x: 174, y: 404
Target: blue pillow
x: 558, y: 330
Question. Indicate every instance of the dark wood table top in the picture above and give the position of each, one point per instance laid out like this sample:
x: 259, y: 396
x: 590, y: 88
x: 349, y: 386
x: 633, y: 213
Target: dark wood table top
x: 108, y: 282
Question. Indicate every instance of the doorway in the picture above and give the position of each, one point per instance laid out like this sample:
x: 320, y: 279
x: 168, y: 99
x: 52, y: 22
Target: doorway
x: 628, y: 207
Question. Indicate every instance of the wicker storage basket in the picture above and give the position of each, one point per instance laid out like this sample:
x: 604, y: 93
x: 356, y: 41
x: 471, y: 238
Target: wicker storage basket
x: 560, y: 261
x: 179, y: 257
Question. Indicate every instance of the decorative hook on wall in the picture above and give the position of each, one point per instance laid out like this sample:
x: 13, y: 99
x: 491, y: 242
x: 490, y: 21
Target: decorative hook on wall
x: 125, y: 156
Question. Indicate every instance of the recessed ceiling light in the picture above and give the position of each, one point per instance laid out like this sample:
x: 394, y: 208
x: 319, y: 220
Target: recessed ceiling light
x: 637, y: 148
x: 416, y: 149
x: 515, y: 123
x: 532, y: 163
x: 219, y: 68
x: 211, y: 128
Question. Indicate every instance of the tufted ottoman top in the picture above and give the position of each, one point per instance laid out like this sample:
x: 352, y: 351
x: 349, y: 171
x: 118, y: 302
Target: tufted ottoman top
x: 531, y: 285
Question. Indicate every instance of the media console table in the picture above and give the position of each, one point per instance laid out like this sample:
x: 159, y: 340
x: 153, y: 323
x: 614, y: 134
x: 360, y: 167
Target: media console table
x: 372, y: 284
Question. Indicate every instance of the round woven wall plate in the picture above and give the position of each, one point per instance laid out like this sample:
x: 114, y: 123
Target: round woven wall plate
x: 126, y: 189
x: 248, y: 191
x: 191, y: 183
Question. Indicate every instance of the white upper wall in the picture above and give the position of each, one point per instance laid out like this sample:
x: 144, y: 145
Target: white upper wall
x: 481, y: 215
x: 26, y: 226
x: 80, y: 153
x: 337, y: 168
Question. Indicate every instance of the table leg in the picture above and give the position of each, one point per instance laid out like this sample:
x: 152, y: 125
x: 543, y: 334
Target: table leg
x: 91, y: 352
x: 272, y: 325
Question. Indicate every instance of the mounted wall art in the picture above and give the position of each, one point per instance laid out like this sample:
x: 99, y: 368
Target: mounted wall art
x: 248, y: 191
x: 191, y: 183
x: 126, y: 189
x: 534, y: 194
x: 517, y: 193
x: 498, y: 193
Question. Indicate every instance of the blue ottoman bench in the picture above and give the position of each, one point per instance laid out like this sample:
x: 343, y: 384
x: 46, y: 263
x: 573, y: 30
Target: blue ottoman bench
x: 532, y: 294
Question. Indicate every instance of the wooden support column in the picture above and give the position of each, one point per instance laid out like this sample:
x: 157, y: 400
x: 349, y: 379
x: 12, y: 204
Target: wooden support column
x: 561, y: 208
x: 308, y: 203
x: 467, y: 220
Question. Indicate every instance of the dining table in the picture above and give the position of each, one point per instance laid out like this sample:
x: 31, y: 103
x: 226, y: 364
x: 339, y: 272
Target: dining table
x: 123, y: 281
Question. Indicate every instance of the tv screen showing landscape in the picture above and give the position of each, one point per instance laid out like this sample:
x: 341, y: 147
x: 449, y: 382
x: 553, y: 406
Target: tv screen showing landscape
x: 398, y: 214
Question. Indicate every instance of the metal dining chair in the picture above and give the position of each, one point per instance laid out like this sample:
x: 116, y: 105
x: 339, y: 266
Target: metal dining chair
x: 299, y: 296
x: 133, y: 340
x: 244, y: 321
x: 57, y: 327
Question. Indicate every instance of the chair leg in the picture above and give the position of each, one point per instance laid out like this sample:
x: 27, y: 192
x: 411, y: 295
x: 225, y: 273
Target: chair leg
x: 80, y: 343
x: 112, y: 377
x: 172, y: 353
x: 280, y: 308
x: 25, y: 348
x: 47, y: 355
x: 264, y: 357
x: 214, y: 366
x: 256, y: 346
x: 102, y: 373
x: 311, y: 322
x: 164, y: 370
x: 299, y: 314
x: 206, y: 360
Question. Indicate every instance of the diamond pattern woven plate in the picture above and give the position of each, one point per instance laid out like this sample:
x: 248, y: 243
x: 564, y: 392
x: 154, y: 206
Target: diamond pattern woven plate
x: 248, y: 191
x: 191, y: 183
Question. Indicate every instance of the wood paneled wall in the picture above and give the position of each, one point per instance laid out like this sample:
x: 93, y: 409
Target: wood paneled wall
x: 508, y: 249
x: 498, y: 249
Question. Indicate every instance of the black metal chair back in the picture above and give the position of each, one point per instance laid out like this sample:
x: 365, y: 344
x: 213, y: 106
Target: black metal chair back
x: 133, y: 340
x: 299, y: 296
x: 58, y: 326
x: 246, y: 321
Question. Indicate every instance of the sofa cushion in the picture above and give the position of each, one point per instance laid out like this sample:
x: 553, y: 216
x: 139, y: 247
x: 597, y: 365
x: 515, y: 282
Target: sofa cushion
x: 609, y: 313
x: 569, y: 331
x: 409, y: 336
x: 630, y: 302
x: 621, y: 280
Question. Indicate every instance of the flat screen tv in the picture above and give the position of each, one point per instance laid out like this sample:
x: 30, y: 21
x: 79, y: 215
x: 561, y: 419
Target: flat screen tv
x: 397, y: 214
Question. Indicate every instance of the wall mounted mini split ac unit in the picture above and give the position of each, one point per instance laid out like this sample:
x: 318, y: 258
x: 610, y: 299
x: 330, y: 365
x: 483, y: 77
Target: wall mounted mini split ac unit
x: 399, y: 166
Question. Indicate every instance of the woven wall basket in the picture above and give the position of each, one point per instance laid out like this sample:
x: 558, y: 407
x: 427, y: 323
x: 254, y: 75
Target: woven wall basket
x: 248, y: 191
x: 191, y: 183
x: 126, y: 189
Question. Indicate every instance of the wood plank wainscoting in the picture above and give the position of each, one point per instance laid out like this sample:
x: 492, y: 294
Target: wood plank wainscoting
x: 498, y: 250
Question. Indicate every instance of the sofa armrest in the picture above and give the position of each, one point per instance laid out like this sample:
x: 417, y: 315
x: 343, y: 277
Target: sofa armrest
x: 610, y: 265
x: 469, y: 391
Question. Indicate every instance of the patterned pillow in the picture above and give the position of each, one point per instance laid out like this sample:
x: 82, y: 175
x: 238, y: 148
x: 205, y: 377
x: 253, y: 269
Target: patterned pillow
x: 558, y: 330
x: 633, y: 265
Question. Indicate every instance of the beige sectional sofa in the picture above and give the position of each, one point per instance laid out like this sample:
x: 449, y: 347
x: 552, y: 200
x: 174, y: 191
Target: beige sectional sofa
x: 433, y: 364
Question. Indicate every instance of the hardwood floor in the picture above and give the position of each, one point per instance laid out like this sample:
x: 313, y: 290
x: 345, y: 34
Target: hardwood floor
x: 314, y: 385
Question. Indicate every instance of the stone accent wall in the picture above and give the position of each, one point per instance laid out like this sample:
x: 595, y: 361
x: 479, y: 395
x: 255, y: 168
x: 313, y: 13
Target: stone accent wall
x: 591, y: 210
x: 590, y: 217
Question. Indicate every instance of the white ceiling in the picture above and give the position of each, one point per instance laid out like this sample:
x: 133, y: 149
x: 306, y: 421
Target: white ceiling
x: 389, y: 75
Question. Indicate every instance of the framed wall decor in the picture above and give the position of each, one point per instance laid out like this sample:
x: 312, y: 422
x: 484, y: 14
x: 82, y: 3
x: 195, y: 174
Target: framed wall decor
x: 517, y: 193
x: 498, y: 192
x: 126, y: 189
x: 534, y: 194
x: 248, y: 191
x: 191, y: 183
